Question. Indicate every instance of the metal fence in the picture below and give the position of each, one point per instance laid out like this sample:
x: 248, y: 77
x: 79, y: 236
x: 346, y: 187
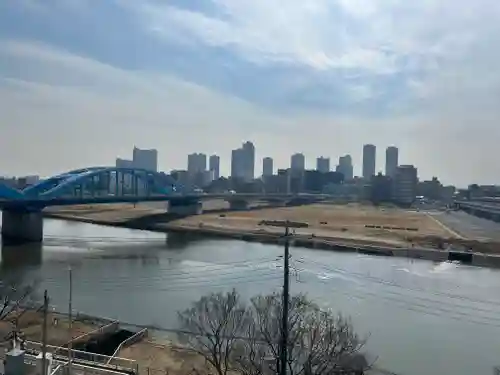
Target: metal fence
x: 85, y: 358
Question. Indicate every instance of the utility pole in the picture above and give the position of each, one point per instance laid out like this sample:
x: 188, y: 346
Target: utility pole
x: 70, y: 325
x: 283, y: 362
x: 286, y: 297
x: 44, y: 332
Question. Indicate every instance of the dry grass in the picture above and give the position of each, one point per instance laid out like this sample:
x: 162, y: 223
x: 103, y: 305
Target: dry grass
x: 160, y: 358
x: 334, y: 221
x: 31, y: 323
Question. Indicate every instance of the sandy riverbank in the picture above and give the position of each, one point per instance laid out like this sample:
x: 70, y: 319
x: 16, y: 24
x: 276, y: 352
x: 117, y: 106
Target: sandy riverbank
x: 351, y: 223
x: 353, y: 227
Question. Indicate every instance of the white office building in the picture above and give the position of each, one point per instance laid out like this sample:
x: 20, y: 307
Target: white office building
x: 267, y: 167
x: 145, y: 159
x: 298, y: 162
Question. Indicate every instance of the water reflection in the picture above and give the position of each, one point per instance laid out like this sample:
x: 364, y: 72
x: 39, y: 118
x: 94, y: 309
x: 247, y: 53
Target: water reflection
x: 179, y: 241
x: 16, y: 257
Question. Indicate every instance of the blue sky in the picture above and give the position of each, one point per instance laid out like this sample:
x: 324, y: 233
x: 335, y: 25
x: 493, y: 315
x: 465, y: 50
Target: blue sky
x: 83, y: 81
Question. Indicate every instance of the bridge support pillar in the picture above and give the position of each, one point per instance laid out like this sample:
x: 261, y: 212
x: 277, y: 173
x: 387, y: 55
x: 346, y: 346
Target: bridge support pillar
x: 185, y: 208
x: 22, y: 227
x: 238, y: 205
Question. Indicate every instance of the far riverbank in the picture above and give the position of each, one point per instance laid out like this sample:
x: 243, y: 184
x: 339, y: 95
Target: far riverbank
x: 297, y: 240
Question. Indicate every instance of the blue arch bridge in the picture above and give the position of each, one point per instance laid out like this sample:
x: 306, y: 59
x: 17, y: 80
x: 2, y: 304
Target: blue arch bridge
x: 22, y: 209
x: 22, y: 219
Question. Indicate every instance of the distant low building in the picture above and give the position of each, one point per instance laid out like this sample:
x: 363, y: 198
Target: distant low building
x: 430, y: 189
x: 315, y: 181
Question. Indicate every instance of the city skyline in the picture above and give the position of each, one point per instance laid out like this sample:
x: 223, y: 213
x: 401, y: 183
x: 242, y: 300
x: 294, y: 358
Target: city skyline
x: 147, y: 73
x: 198, y: 162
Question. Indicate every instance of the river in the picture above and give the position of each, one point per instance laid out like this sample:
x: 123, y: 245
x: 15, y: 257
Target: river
x: 421, y: 317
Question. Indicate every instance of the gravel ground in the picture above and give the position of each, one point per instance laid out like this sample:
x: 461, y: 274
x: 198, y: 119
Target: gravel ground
x: 469, y: 226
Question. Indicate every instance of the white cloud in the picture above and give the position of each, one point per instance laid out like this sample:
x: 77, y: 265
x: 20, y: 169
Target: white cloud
x: 66, y: 111
x: 60, y: 111
x: 54, y: 103
x: 327, y: 34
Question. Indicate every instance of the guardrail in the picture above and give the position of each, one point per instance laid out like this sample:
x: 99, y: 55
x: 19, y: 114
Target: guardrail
x: 130, y: 341
x: 111, y: 327
x: 77, y: 368
x: 83, y: 357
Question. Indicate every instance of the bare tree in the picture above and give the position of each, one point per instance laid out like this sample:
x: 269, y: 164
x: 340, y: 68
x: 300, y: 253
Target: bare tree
x: 16, y: 297
x: 213, y: 326
x: 246, y: 340
x: 319, y: 342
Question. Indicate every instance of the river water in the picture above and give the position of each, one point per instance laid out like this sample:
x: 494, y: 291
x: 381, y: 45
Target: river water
x: 421, y: 317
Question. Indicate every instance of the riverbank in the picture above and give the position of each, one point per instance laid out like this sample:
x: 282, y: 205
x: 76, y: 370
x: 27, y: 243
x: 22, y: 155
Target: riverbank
x: 350, y: 228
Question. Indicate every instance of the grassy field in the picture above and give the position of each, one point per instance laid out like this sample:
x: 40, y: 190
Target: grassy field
x: 337, y: 221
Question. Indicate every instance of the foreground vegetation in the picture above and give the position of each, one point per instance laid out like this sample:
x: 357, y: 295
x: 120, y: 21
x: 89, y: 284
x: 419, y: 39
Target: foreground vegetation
x: 244, y: 338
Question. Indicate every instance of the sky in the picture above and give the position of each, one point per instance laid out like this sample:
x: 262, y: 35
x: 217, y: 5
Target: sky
x: 84, y: 81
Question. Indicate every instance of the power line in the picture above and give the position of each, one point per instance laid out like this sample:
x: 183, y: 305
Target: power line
x: 420, y: 308
x: 393, y: 284
x: 205, y: 276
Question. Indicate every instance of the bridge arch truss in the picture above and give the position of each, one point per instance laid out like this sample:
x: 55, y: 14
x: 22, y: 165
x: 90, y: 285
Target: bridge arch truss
x: 98, y: 182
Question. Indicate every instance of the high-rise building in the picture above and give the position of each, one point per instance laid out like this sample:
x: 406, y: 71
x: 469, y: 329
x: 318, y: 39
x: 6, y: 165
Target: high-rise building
x: 369, y: 161
x: 249, y: 161
x: 323, y: 164
x: 267, y: 167
x: 197, y: 169
x: 197, y: 163
x: 391, y: 161
x: 214, y: 166
x: 243, y: 162
x: 298, y: 162
x: 405, y: 184
x: 237, y: 157
x: 345, y: 167
x: 145, y: 159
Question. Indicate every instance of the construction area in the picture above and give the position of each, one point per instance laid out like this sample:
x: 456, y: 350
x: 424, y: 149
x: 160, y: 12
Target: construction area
x: 99, y: 346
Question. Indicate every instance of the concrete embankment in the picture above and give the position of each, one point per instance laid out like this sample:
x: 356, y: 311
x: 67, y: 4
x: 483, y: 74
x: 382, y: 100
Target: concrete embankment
x: 312, y: 242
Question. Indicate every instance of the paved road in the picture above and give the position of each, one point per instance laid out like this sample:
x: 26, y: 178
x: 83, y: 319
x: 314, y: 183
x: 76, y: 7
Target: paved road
x: 469, y: 226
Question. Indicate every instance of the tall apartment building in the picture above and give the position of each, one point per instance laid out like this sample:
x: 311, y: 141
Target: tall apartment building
x: 197, y: 163
x: 345, y: 167
x: 369, y: 161
x: 391, y: 161
x: 214, y: 166
x: 267, y: 167
x: 323, y: 164
x: 145, y: 159
x: 243, y: 162
x: 405, y: 184
x: 237, y: 157
x: 298, y: 162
